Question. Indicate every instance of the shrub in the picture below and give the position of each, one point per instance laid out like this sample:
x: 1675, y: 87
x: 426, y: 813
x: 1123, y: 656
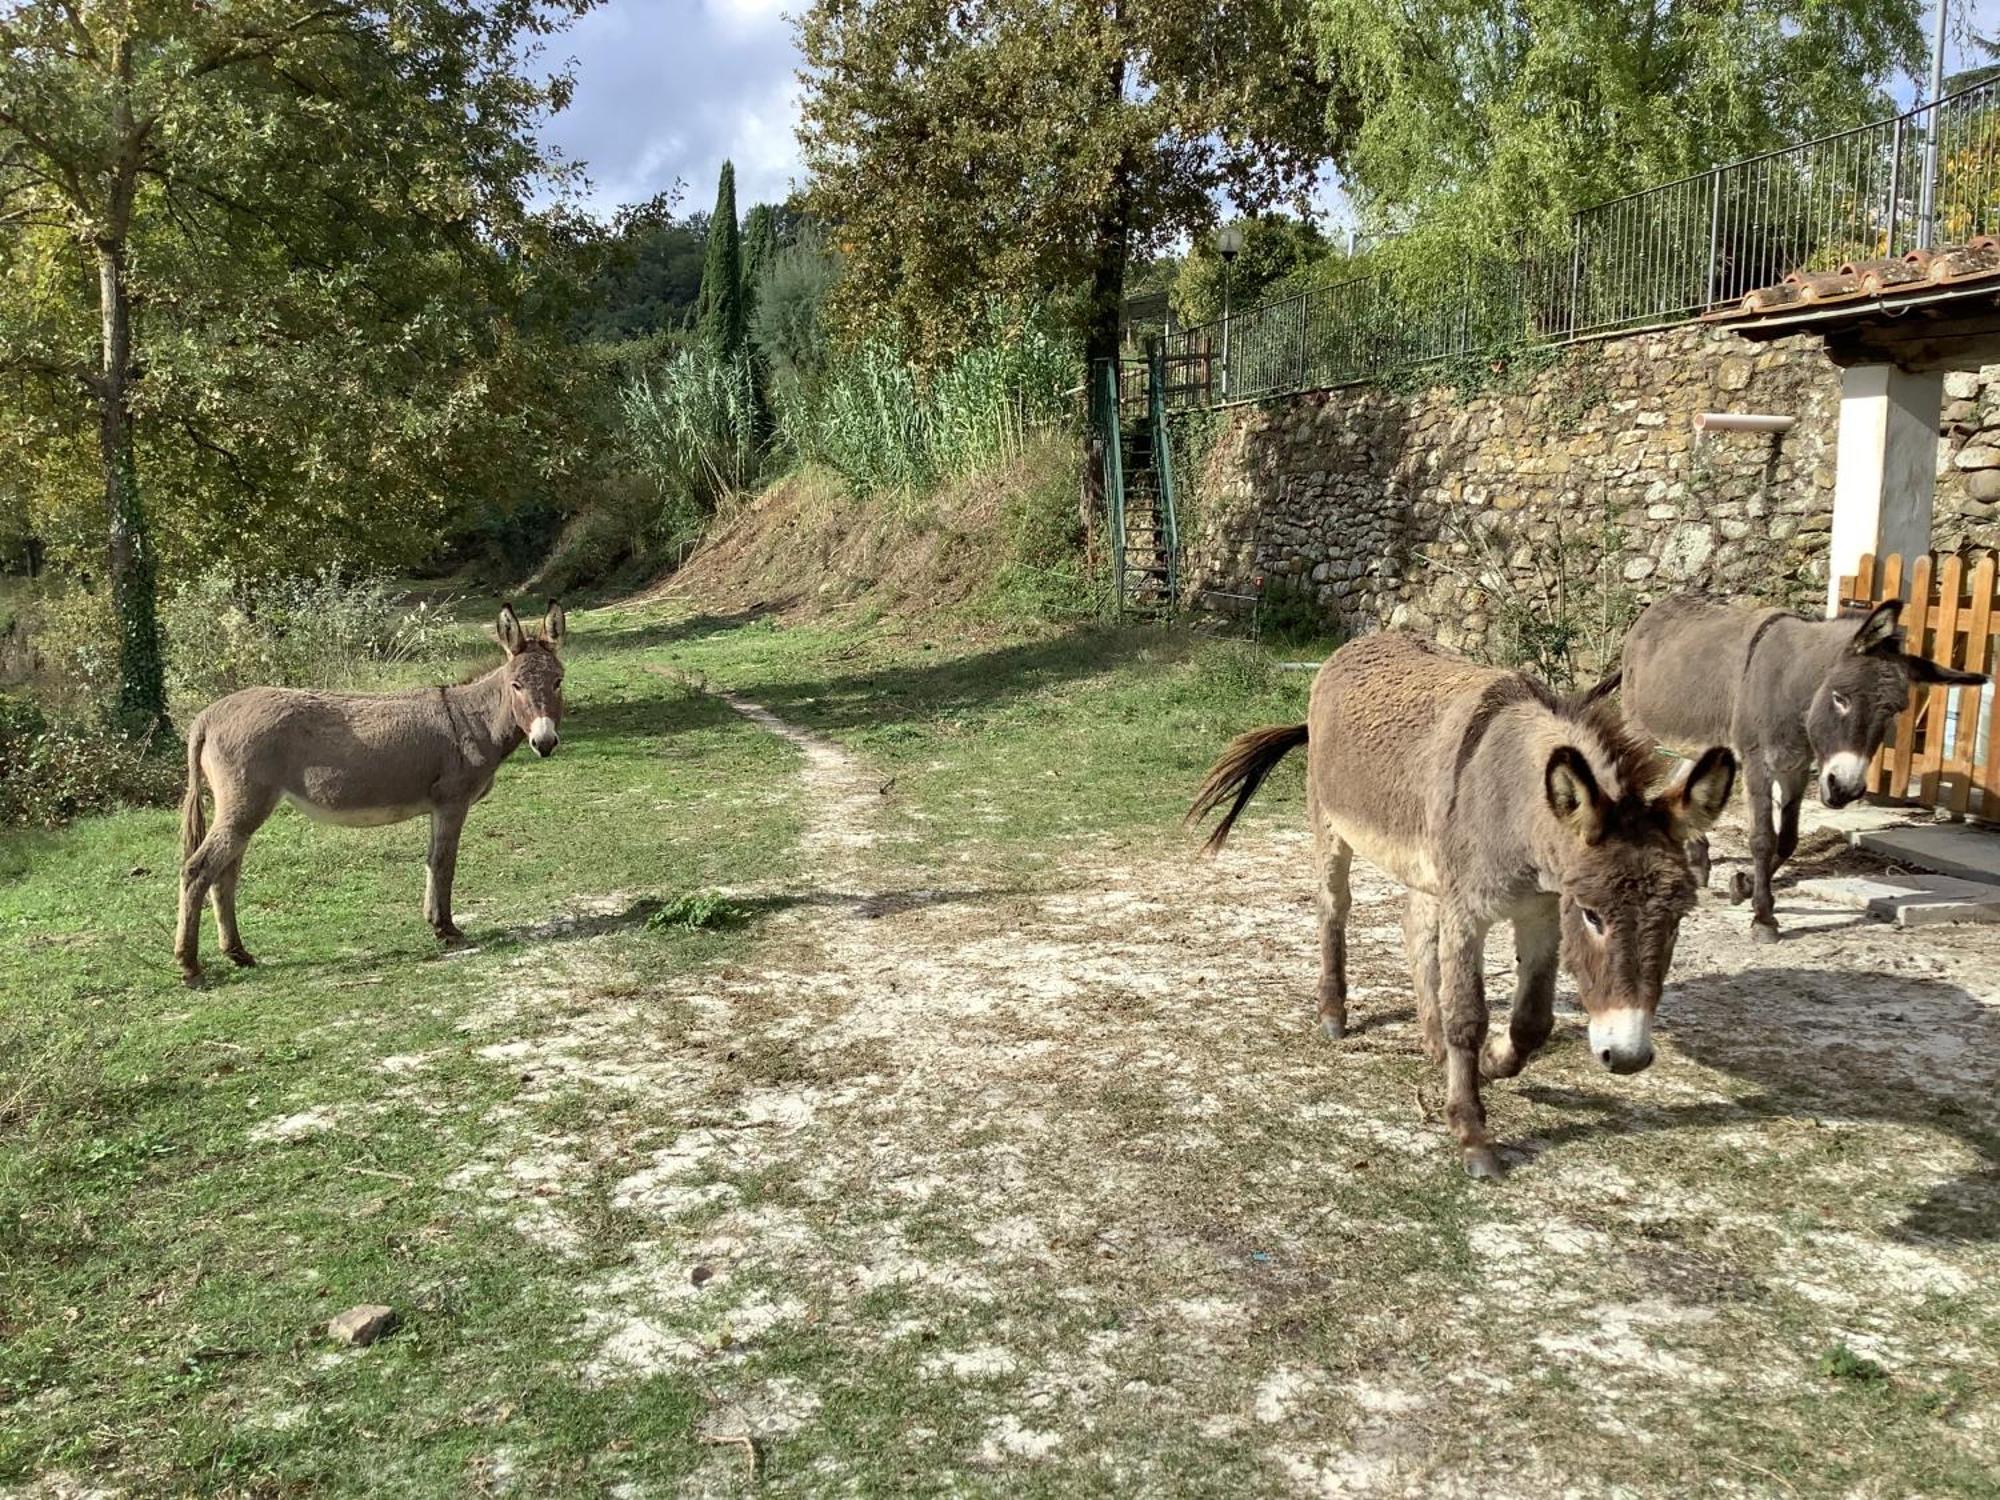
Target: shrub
x: 53, y: 770
x: 330, y: 630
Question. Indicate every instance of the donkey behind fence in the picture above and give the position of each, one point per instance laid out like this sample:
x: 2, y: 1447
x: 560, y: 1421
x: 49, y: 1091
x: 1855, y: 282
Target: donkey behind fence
x: 359, y: 759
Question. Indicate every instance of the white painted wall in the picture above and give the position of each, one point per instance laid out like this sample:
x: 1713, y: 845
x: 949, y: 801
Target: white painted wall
x: 1885, y: 475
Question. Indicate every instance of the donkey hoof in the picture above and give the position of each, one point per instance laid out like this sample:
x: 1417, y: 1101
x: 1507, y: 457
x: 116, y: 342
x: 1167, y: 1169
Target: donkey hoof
x: 451, y: 937
x: 240, y: 957
x: 193, y: 979
x: 1335, y: 1027
x: 1739, y: 886
x: 1482, y: 1163
x: 1763, y: 932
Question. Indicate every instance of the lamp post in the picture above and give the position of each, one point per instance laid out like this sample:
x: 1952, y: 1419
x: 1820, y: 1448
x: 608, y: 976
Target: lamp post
x: 1927, y: 190
x: 1228, y: 241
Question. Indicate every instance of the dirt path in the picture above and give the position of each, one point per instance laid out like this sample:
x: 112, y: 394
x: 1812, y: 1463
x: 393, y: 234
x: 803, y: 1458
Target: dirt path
x: 1056, y: 1187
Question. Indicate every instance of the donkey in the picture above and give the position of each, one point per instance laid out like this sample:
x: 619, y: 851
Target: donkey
x: 1783, y: 692
x: 359, y: 759
x: 1492, y: 800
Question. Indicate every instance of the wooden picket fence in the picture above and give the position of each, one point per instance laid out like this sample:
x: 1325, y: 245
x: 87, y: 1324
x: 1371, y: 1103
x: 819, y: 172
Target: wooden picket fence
x: 1944, y: 751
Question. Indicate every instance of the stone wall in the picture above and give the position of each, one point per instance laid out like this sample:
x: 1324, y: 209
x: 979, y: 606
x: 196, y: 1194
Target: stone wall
x: 1573, y: 491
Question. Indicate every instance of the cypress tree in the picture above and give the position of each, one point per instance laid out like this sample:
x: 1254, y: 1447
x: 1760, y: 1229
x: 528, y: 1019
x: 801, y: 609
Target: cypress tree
x: 722, y: 314
x: 760, y: 245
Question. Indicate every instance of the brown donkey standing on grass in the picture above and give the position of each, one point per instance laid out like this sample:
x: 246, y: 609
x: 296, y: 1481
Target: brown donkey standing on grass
x: 1493, y: 800
x: 1784, y: 692
x: 361, y: 759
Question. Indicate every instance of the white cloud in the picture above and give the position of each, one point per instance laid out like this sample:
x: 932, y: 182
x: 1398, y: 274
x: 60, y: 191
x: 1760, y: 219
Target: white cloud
x: 669, y: 89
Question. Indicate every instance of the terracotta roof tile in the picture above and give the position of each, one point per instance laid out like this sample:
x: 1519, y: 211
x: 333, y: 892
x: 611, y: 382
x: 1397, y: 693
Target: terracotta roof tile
x: 1885, y: 278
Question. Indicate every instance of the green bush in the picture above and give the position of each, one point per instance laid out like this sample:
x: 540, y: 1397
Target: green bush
x: 329, y: 630
x: 53, y: 770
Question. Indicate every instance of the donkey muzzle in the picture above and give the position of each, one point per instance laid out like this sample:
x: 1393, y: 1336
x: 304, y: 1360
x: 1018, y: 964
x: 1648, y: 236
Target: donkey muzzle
x: 1622, y: 1039
x: 1843, y: 778
x: 542, y: 738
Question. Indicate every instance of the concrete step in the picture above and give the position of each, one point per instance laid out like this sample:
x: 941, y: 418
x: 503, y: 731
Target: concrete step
x: 1961, y: 849
x: 1910, y: 900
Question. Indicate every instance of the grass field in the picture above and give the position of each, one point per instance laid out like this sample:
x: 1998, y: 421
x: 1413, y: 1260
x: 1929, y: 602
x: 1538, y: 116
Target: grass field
x: 895, y: 1109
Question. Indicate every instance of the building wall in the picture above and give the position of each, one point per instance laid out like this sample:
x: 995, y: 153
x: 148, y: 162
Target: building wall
x: 1564, y: 496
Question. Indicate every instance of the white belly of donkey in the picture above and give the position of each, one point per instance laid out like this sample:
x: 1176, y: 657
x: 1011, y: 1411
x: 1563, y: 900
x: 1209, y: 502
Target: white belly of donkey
x: 357, y: 817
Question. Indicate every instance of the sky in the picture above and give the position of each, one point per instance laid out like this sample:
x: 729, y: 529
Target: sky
x: 667, y: 89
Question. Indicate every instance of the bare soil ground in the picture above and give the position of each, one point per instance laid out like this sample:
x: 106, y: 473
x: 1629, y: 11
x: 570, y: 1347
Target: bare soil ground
x: 979, y: 1183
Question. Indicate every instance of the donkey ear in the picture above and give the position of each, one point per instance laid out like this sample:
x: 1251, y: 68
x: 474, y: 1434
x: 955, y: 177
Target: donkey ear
x: 555, y: 626
x: 512, y: 636
x: 1573, y: 794
x: 1697, y: 797
x: 1878, y: 627
x: 1602, y: 691
x: 1927, y: 673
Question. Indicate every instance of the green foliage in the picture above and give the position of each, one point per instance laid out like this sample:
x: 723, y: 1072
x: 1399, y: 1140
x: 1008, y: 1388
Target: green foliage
x: 1008, y: 150
x: 346, y: 304
x: 1047, y: 572
x: 54, y: 768
x: 328, y: 629
x: 694, y: 911
x: 1480, y: 121
x: 760, y: 248
x: 722, y: 310
x: 690, y: 427
x: 647, y: 275
x: 1280, y: 255
x: 789, y: 326
x: 882, y: 428
x: 1841, y: 1363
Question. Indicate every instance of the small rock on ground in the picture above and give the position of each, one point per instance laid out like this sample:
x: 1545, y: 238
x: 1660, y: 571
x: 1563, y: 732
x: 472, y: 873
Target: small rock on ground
x: 362, y: 1325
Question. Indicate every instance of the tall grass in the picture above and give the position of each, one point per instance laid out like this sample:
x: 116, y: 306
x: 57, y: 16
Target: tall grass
x: 691, y: 428
x: 872, y: 418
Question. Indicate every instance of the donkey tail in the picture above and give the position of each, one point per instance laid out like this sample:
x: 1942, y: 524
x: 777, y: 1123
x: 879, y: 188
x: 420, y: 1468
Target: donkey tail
x: 1241, y: 770
x: 193, y: 829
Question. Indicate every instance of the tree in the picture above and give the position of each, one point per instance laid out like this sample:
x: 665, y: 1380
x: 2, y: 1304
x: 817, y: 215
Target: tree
x: 974, y: 153
x: 722, y: 313
x: 1484, y: 118
x: 760, y: 245
x: 646, y: 275
x: 1280, y: 255
x: 265, y: 251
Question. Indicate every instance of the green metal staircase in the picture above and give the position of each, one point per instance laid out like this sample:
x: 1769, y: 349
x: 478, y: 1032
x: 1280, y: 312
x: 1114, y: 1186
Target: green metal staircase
x: 1145, y: 543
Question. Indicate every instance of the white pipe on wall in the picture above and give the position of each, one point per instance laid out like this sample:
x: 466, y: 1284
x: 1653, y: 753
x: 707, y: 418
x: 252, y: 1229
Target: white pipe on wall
x: 1741, y: 421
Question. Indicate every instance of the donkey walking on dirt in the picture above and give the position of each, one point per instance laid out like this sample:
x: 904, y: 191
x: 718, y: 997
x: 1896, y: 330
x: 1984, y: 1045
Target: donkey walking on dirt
x: 359, y: 759
x: 1492, y: 800
x: 1784, y: 693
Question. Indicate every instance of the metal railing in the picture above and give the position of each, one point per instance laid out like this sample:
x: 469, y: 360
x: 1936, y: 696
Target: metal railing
x: 1653, y: 258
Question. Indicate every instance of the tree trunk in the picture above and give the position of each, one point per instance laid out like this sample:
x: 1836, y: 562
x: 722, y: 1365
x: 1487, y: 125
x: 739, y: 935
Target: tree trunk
x: 142, y: 689
x: 1110, y: 249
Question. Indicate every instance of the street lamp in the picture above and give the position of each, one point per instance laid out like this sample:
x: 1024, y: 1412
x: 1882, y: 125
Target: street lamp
x: 1228, y: 242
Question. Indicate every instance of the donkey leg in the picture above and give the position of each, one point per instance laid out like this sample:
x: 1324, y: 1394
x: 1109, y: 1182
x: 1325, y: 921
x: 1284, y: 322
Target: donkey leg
x: 1335, y: 858
x: 219, y: 854
x: 441, y: 866
x: 1537, y: 942
x: 1698, y: 861
x: 1763, y: 855
x: 222, y: 895
x: 1420, y: 944
x: 1462, y: 997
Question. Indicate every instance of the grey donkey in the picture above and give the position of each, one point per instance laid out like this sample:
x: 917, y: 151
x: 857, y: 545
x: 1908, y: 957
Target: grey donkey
x: 1786, y: 694
x: 1493, y: 800
x: 362, y: 760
